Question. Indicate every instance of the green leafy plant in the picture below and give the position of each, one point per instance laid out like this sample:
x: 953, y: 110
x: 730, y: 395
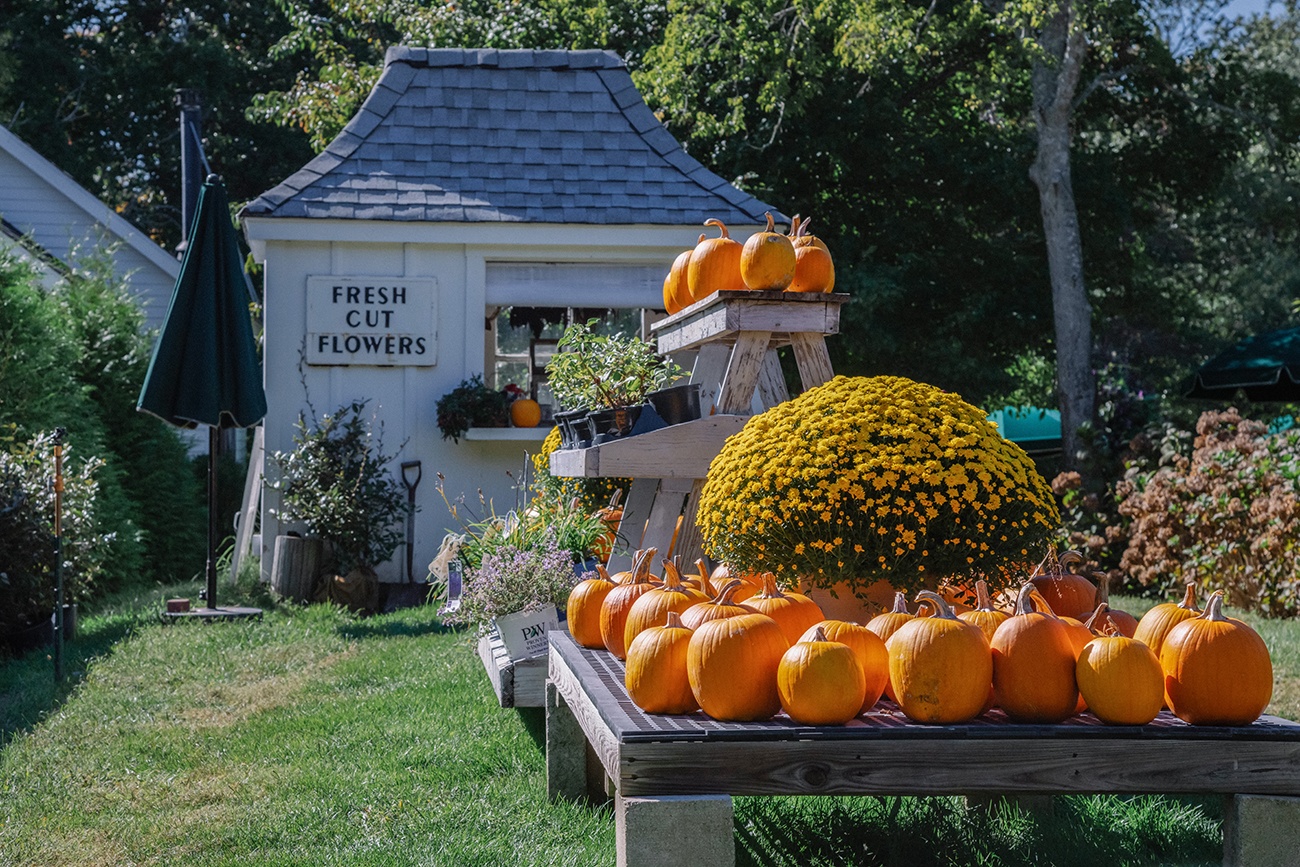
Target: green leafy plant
x: 335, y: 482
x: 593, y: 370
x: 471, y: 404
x: 27, y: 577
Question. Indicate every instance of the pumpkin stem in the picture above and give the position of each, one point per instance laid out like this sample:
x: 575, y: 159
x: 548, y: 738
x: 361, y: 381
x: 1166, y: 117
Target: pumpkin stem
x: 794, y: 227
x: 672, y: 578
x: 728, y: 590
x: 983, y: 602
x: 674, y: 621
x: 900, y: 603
x: 721, y: 227
x: 770, y: 590
x: 603, y: 573
x: 771, y: 224
x: 1097, y: 622
x: 803, y: 228
x: 941, y: 609
x: 820, y: 635
x: 1029, y: 601
x: 1214, y: 608
x: 1069, y: 560
x: 1189, y: 599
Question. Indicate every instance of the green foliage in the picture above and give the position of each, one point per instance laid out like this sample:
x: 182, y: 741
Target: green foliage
x: 513, y: 578
x: 27, y: 562
x: 335, y: 483
x: 593, y: 370
x: 93, y: 90
x: 471, y: 404
x: 1224, y: 516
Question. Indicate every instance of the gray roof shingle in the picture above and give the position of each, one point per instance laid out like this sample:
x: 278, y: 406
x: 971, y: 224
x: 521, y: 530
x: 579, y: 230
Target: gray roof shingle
x: 486, y: 135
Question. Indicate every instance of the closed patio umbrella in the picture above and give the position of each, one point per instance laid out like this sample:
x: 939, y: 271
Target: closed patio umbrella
x: 1266, y: 367
x: 205, y: 369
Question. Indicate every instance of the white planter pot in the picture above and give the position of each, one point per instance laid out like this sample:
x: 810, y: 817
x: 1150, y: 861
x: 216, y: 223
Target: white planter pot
x: 524, y: 632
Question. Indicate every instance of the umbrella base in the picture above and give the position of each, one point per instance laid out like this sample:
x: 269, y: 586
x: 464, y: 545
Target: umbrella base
x: 229, y: 612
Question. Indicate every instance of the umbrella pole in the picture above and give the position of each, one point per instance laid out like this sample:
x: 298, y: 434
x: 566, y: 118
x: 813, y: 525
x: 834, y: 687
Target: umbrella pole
x: 214, y: 447
x: 58, y: 554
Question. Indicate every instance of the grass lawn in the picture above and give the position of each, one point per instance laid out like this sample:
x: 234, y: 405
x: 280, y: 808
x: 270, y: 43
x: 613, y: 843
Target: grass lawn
x: 312, y: 737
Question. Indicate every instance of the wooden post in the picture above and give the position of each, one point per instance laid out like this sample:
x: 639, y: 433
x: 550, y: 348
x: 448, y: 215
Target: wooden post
x: 566, y: 750
x: 296, y: 566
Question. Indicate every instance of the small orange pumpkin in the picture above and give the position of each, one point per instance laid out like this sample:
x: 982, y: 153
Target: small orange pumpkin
x: 722, y: 605
x: 1033, y: 664
x: 732, y: 665
x: 887, y: 623
x: 582, y: 612
x: 656, y: 668
x: 1066, y: 591
x: 984, y: 615
x: 677, y: 292
x: 820, y: 681
x: 1217, y: 669
x: 1156, y: 623
x: 870, y: 650
x: 651, y: 607
x: 1126, y: 623
x: 714, y: 265
x: 813, y: 269
x: 794, y: 612
x: 1120, y: 678
x: 940, y: 667
x: 619, y: 601
x: 767, y: 259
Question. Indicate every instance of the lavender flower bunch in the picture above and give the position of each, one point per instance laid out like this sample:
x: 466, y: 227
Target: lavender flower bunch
x: 514, y: 579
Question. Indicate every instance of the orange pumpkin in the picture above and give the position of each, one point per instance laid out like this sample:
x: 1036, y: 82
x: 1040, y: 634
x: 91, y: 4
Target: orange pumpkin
x: 984, y: 615
x: 887, y: 623
x: 1217, y: 669
x: 732, y: 665
x: 1120, y: 678
x: 582, y: 612
x: 1156, y: 623
x: 525, y: 412
x: 870, y: 650
x: 1033, y: 664
x: 767, y: 259
x: 618, y: 603
x: 794, y: 612
x: 1126, y: 623
x: 1066, y: 591
x: 677, y: 292
x: 652, y: 607
x: 750, y: 582
x: 820, y: 681
x: 722, y: 605
x: 813, y: 269
x: 714, y: 265
x: 940, y: 667
x: 656, y: 668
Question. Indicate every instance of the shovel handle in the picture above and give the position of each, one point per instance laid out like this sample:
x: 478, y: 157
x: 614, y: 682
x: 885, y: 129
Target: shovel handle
x: 419, y: 473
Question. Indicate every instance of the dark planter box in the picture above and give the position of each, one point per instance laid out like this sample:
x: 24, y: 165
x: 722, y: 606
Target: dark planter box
x: 677, y: 404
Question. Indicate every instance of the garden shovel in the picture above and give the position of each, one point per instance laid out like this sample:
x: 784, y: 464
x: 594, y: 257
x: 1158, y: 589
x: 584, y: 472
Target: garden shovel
x: 409, y: 467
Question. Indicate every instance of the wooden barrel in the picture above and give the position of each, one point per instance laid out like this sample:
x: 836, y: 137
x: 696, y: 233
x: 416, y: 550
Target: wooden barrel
x: 296, y: 566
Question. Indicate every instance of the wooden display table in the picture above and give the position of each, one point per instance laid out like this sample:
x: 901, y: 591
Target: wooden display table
x: 730, y: 342
x: 663, y: 765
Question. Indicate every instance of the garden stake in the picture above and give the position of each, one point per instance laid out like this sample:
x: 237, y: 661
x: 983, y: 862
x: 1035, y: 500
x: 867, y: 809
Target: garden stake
x: 410, y: 516
x: 59, y: 434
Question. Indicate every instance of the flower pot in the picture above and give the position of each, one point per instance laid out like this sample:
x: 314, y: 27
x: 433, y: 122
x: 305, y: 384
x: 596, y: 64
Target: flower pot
x: 568, y: 421
x: 524, y: 632
x: 676, y: 404
x: 607, y: 424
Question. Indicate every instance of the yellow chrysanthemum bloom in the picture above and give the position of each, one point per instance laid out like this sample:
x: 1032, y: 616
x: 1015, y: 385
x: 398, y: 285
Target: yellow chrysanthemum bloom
x: 849, y: 475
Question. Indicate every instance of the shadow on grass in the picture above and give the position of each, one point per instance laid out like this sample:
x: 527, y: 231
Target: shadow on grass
x: 534, y: 721
x: 1077, y: 831
x: 28, y: 691
x: 390, y: 626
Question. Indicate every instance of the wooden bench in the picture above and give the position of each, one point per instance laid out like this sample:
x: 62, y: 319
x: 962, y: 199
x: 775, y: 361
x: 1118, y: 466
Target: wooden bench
x: 660, y: 767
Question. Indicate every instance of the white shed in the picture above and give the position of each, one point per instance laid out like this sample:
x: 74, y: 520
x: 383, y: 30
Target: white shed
x: 470, y: 182
x: 44, y: 213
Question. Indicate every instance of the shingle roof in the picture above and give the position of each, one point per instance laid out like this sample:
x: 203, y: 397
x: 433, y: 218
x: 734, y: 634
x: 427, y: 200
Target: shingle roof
x: 486, y: 135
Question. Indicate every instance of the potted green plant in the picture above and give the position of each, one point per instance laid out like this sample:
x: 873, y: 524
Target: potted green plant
x: 27, y: 576
x: 335, y: 484
x: 471, y: 404
x: 612, y: 374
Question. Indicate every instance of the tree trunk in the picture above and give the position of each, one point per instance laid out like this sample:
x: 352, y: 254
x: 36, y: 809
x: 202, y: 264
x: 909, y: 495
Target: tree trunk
x: 1055, y: 82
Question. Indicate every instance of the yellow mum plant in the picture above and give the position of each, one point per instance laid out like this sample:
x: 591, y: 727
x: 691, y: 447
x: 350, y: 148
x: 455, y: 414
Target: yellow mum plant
x: 868, y: 478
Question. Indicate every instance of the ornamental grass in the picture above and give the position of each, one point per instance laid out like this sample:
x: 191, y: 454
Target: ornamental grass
x: 869, y: 478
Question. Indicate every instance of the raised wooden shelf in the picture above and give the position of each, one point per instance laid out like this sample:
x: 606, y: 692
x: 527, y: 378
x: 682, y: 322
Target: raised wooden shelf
x: 723, y: 315
x: 681, y: 451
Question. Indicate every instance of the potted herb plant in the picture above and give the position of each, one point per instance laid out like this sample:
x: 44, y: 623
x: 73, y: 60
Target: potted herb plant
x: 335, y: 484
x: 471, y: 404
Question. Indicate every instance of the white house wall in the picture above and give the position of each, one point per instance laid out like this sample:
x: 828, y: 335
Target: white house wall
x: 404, y: 398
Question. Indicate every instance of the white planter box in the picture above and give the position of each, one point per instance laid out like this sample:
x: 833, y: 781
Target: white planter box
x: 524, y: 632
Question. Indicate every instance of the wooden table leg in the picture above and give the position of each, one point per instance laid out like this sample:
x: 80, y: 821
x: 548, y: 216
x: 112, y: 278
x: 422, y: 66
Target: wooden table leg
x: 1261, y: 831
x: 675, y: 831
x: 566, y: 750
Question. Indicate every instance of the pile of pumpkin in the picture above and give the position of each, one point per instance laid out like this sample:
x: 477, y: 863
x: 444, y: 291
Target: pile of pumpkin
x: 745, y: 650
x: 767, y: 261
